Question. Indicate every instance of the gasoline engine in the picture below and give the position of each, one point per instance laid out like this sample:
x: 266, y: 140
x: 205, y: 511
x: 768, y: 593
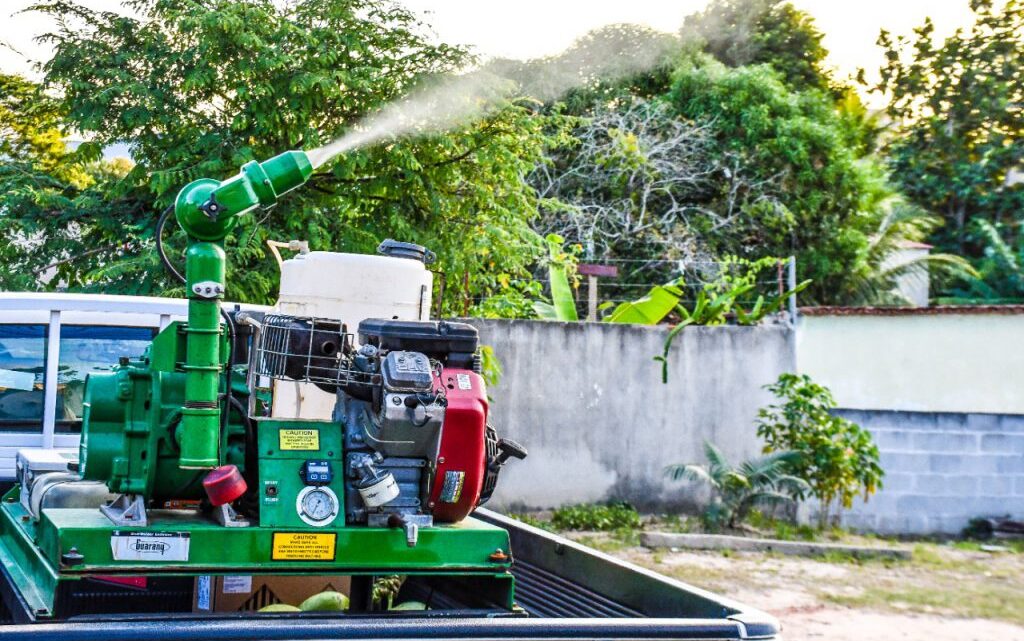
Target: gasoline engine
x: 313, y: 438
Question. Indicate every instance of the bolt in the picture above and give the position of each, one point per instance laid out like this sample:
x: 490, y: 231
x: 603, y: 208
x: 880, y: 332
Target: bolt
x: 395, y: 400
x: 440, y: 460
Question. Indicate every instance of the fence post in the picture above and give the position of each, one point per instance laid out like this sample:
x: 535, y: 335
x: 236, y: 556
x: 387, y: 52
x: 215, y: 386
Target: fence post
x: 791, y: 285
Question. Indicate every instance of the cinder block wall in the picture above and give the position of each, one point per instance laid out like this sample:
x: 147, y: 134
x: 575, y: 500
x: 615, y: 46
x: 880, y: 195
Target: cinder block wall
x: 942, y: 469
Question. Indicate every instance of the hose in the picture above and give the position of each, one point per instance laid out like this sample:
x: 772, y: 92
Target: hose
x: 160, y: 243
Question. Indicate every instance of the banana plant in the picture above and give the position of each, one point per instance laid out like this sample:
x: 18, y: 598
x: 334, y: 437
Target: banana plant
x: 563, y: 304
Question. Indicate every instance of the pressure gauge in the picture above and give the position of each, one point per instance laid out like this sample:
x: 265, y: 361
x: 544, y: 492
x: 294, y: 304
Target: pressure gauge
x: 317, y: 505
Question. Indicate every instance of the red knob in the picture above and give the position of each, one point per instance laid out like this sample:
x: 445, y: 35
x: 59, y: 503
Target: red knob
x: 224, y: 485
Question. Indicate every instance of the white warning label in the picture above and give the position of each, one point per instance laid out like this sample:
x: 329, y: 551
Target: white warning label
x: 149, y: 546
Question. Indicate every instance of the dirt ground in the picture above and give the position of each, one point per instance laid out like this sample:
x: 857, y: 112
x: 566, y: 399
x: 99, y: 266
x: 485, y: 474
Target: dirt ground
x: 944, y: 593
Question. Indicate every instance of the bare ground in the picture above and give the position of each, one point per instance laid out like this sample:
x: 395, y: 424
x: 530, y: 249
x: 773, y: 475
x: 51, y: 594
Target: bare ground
x: 945, y: 593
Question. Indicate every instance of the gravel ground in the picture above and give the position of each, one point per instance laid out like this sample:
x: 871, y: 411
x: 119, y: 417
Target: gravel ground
x: 944, y: 593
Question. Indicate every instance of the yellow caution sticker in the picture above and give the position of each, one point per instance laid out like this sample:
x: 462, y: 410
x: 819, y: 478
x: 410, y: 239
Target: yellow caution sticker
x: 303, y: 546
x: 299, y: 439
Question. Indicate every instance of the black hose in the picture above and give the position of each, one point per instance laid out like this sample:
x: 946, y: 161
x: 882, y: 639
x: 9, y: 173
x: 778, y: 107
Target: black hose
x: 160, y: 243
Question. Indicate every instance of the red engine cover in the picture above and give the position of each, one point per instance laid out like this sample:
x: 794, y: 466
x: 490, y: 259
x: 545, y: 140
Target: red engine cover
x: 462, y: 458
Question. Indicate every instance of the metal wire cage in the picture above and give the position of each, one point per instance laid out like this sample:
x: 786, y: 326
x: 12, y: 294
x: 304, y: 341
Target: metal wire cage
x: 305, y: 349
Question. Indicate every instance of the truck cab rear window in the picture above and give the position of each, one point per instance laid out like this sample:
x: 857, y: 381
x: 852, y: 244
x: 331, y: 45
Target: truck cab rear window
x: 22, y: 368
x: 85, y: 349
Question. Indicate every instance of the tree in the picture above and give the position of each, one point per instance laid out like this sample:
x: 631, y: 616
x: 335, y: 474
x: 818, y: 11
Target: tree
x: 836, y: 457
x: 957, y: 110
x: 751, y: 32
x: 198, y: 88
x: 40, y: 182
x: 633, y: 183
x: 806, y: 188
x: 31, y: 125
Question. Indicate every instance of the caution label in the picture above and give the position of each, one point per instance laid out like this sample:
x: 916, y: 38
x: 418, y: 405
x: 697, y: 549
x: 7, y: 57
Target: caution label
x: 451, y: 491
x: 298, y: 439
x: 303, y: 546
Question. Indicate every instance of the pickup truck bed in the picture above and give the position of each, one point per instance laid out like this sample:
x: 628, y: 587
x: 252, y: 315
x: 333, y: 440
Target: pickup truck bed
x: 568, y: 590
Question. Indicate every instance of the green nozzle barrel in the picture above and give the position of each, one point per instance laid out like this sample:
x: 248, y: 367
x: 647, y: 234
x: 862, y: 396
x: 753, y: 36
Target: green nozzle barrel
x: 200, y: 435
x: 208, y: 210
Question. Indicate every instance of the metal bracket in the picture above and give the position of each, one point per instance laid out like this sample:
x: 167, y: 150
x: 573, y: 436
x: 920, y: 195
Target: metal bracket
x: 227, y: 516
x: 208, y: 289
x: 126, y: 509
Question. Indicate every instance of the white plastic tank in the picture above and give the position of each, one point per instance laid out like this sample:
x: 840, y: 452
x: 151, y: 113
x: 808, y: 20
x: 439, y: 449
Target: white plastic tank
x: 353, y: 287
x: 349, y: 288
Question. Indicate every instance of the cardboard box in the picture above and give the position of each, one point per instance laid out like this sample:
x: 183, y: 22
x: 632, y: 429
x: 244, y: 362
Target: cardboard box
x: 248, y: 593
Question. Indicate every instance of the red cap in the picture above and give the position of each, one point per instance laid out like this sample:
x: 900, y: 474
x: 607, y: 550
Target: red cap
x: 224, y: 485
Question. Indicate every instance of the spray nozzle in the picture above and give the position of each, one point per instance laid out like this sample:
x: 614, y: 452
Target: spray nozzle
x: 208, y: 209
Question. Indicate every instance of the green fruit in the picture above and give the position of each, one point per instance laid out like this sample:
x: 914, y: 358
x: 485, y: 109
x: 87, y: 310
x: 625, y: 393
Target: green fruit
x: 279, y: 607
x: 325, y: 602
x: 410, y: 605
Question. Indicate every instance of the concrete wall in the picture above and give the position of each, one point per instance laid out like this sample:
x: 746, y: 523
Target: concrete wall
x: 919, y: 360
x: 942, y: 469
x: 587, y: 400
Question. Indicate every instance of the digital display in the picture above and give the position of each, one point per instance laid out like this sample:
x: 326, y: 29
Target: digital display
x: 317, y: 472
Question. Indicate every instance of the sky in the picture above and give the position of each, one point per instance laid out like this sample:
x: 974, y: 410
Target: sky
x: 534, y: 28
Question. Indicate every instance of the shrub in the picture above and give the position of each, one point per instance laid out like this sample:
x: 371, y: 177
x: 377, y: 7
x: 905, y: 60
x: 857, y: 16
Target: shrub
x: 738, y: 489
x: 589, y: 516
x: 837, y: 458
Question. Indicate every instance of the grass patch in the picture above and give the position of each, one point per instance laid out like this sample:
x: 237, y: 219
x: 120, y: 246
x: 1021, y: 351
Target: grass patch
x: 950, y: 596
x: 597, y: 517
x: 530, y: 519
x: 612, y: 542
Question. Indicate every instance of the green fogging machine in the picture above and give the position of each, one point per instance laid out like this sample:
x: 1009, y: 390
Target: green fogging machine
x: 207, y: 456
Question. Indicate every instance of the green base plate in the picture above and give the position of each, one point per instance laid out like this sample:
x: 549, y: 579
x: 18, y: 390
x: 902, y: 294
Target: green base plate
x: 31, y: 553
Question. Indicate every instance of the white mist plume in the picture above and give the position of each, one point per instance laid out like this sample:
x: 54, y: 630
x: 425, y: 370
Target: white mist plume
x: 436, y: 106
x: 610, y: 53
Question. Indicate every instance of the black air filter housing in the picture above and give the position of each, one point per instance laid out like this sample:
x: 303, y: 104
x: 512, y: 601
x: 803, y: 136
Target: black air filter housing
x: 447, y: 341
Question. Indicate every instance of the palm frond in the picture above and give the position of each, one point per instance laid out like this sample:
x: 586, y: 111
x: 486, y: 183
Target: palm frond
x: 697, y: 473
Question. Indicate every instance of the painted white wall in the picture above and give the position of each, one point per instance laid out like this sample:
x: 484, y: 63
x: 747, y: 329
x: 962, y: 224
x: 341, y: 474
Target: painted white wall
x: 922, y: 361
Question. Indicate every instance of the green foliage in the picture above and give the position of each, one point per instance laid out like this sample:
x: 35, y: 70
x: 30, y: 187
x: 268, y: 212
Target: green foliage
x: 599, y: 517
x: 31, y: 125
x: 490, y: 366
x: 737, y: 489
x: 530, y: 519
x: 196, y: 89
x: 958, y: 126
x: 720, y: 301
x: 561, y: 263
x: 651, y: 308
x: 808, y: 191
x: 1000, y: 268
x: 782, y: 530
x: 874, y: 275
x: 751, y: 32
x: 837, y: 457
